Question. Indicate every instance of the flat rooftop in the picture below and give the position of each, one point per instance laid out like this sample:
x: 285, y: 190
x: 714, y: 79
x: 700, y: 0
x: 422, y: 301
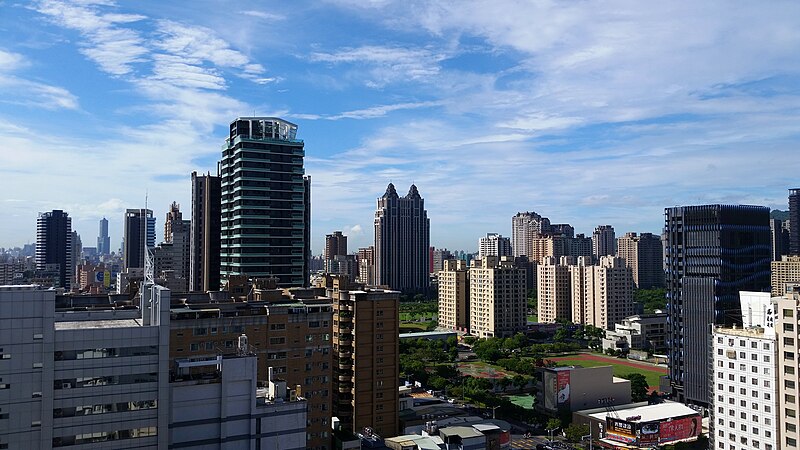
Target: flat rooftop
x: 650, y: 413
x: 462, y: 432
x: 86, y: 324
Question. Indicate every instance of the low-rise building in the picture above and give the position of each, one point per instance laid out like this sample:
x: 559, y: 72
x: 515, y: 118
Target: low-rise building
x: 569, y: 389
x: 639, y: 332
x: 642, y: 426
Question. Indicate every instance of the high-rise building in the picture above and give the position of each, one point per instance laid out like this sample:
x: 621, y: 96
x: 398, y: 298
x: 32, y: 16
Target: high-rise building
x: 171, y: 258
x: 643, y: 253
x: 105, y: 380
x: 494, y: 244
x: 204, y: 242
x: 603, y: 241
x: 745, y: 385
x: 76, y: 252
x: 780, y: 239
x: 402, y: 241
x: 787, y: 324
x: 288, y: 330
x: 265, y: 202
x: 794, y: 221
x: 602, y: 295
x: 525, y: 226
x: 54, y: 245
x: 562, y: 229
x: 440, y: 255
x: 497, y: 297
x: 103, y: 240
x: 554, y: 288
x: 785, y: 271
x: 711, y: 253
x: 366, y: 265
x: 140, y: 230
x: 454, y: 295
x: 335, y: 244
x: 366, y: 351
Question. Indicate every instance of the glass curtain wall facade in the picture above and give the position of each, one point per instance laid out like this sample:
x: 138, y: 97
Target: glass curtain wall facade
x: 711, y: 253
x: 265, y: 202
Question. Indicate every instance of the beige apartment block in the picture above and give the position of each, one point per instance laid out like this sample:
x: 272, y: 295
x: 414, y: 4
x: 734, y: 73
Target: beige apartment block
x: 367, y: 362
x: 555, y: 295
x: 610, y: 299
x: 582, y: 282
x: 787, y: 270
x: 497, y: 297
x: 454, y: 295
x: 643, y: 253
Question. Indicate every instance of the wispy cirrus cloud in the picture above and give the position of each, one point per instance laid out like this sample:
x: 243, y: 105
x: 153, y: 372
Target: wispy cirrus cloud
x: 367, y: 113
x: 387, y: 64
x: 21, y: 91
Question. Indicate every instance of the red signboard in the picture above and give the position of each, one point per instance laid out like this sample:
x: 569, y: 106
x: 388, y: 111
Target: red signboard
x: 674, y: 430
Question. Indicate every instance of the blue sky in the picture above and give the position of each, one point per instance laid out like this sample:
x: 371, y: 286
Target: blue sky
x: 587, y: 112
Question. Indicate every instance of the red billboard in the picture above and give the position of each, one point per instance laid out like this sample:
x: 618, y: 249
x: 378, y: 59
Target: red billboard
x: 677, y: 429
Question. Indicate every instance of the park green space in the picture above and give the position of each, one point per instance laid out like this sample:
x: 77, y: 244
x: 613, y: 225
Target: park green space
x: 653, y: 375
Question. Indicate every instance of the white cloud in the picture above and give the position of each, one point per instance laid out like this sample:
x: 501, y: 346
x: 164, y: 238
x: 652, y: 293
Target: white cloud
x: 264, y: 15
x: 387, y: 64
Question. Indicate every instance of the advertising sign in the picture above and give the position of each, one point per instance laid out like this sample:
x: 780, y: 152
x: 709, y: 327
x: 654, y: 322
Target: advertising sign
x: 620, y: 430
x: 106, y: 278
x: 647, y: 433
x: 677, y: 429
x: 98, y: 277
x: 563, y: 386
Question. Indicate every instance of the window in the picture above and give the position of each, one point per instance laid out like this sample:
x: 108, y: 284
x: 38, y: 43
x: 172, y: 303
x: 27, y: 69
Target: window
x: 193, y: 347
x: 200, y: 332
x: 788, y: 313
x: 789, y: 398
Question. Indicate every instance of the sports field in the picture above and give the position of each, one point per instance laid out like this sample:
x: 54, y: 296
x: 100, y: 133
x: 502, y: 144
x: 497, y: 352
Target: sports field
x: 621, y: 366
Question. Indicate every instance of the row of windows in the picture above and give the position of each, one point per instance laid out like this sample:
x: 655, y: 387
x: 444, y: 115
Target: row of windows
x: 104, y: 436
x: 87, y: 410
x: 95, y: 353
x: 80, y: 382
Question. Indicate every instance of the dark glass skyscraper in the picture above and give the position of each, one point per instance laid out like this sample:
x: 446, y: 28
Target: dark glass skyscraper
x: 402, y: 240
x: 54, y: 244
x: 794, y: 221
x: 140, y: 230
x: 711, y: 253
x: 266, y: 202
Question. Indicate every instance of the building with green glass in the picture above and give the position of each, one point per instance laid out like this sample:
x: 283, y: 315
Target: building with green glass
x: 266, y: 202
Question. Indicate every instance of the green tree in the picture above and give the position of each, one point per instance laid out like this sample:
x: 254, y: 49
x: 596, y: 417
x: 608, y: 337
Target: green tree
x: 552, y: 425
x: 639, y: 386
x: 575, y: 432
x: 560, y: 335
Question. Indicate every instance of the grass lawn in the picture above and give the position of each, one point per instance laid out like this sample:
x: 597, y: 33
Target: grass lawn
x: 525, y: 401
x: 411, y: 317
x: 653, y: 376
x: 533, y: 318
x: 415, y: 327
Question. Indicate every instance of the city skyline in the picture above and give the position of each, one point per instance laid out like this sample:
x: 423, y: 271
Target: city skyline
x: 541, y: 110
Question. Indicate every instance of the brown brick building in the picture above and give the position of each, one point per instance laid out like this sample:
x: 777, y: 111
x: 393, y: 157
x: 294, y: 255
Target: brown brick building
x: 289, y: 330
x: 366, y: 355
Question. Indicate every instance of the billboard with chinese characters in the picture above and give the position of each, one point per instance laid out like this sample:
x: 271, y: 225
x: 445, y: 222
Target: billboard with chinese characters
x: 620, y: 430
x: 683, y: 428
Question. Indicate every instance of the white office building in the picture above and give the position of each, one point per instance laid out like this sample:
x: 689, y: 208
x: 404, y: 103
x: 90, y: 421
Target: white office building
x: 494, y: 244
x: 745, y: 391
